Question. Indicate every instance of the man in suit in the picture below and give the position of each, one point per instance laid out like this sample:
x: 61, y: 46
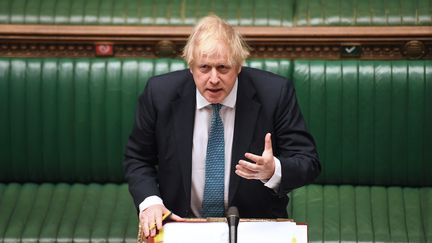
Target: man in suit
x: 217, y: 121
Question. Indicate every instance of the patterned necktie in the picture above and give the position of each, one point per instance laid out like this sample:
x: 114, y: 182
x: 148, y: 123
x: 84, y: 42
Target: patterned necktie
x: 213, y: 201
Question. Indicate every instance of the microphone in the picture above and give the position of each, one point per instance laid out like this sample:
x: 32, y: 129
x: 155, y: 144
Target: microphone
x: 233, y: 218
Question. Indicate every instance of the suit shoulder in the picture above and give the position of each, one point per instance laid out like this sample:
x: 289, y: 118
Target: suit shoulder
x: 168, y: 86
x: 171, y: 77
x: 169, y: 82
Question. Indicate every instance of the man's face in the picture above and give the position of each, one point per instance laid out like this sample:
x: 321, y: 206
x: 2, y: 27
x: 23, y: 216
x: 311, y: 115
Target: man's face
x: 214, y: 77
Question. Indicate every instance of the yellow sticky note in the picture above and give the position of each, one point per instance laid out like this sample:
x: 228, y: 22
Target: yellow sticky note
x: 159, y: 236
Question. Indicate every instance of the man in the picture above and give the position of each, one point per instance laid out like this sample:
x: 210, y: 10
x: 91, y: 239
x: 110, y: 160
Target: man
x: 217, y: 123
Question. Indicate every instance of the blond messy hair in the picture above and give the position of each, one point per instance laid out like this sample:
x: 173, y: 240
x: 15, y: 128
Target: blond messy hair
x: 210, y: 35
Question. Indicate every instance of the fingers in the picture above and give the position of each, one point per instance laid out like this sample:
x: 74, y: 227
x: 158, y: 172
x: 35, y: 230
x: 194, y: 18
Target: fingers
x: 249, y: 167
x: 151, y: 219
x: 255, y: 158
x: 144, y: 221
x: 249, y: 170
x: 153, y: 232
x: 158, y: 219
x: 244, y: 172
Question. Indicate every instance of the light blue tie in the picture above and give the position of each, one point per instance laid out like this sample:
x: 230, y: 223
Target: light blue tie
x: 213, y: 201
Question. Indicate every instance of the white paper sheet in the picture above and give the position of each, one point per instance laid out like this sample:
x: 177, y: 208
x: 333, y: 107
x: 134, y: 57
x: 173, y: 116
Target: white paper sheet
x: 248, y: 232
x: 212, y: 232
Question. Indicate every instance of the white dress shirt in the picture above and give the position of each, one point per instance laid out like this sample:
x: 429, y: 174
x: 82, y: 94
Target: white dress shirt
x: 203, y: 114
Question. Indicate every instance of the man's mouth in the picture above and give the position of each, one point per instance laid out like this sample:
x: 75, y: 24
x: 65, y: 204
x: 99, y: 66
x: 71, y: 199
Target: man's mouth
x: 214, y: 90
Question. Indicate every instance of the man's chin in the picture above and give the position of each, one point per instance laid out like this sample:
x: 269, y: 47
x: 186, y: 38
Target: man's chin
x: 214, y: 98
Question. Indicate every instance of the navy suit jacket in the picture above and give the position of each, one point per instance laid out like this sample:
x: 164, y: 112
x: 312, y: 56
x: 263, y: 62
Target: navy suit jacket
x: 158, y: 154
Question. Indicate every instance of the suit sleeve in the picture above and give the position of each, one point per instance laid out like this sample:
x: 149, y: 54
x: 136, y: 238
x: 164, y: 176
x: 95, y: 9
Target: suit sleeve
x: 295, y: 147
x: 140, y: 157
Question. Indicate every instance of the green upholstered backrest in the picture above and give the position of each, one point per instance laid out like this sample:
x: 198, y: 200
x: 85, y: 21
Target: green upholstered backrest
x: 372, y: 120
x: 236, y: 12
x: 144, y: 12
x: 362, y: 12
x: 67, y: 120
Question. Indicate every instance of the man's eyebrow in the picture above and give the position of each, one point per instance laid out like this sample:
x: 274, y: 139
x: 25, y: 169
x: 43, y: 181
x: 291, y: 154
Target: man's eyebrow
x: 214, y: 64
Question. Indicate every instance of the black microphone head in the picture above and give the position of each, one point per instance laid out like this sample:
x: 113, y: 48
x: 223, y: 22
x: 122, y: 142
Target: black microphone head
x: 232, y: 216
x: 232, y: 212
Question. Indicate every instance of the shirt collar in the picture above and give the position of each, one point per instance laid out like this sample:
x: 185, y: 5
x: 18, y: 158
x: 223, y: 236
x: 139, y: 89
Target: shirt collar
x: 229, y: 101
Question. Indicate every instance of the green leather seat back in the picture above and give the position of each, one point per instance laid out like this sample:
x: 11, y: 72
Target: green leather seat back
x: 67, y: 120
x: 372, y: 120
x: 144, y: 12
x: 357, y: 12
x: 236, y: 12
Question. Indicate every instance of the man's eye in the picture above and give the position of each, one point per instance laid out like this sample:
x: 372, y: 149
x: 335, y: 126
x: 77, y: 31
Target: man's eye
x: 223, y: 68
x: 204, y: 68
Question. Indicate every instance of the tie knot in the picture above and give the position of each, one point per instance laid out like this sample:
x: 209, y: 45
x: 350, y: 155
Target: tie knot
x: 216, y: 107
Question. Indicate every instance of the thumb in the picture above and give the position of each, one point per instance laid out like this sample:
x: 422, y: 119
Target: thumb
x: 268, y: 143
x: 175, y: 217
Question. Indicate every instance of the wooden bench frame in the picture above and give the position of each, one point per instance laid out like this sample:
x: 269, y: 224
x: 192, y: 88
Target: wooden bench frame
x: 325, y: 42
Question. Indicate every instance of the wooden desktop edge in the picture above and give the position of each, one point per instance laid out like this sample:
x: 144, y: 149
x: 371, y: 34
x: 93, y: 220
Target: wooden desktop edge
x: 142, y: 239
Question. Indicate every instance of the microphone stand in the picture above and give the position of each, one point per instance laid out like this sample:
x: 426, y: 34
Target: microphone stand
x: 233, y: 220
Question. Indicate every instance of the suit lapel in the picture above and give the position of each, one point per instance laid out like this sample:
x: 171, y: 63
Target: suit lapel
x: 247, y: 110
x: 183, y: 110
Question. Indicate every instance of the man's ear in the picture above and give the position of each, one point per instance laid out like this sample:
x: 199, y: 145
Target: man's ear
x: 239, y: 69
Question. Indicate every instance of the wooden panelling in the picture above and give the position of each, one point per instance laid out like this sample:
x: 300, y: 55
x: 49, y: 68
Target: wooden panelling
x: 371, y: 42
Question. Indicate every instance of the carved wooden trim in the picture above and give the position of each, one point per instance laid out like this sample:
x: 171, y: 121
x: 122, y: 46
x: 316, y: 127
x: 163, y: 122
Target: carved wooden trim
x: 374, y: 42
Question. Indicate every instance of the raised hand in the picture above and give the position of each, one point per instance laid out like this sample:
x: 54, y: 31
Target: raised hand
x: 264, y: 166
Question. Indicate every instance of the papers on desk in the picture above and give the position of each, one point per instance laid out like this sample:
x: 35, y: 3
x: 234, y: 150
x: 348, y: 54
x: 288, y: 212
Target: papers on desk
x: 248, y: 232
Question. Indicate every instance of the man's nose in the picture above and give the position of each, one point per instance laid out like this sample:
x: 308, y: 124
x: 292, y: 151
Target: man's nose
x: 214, y: 79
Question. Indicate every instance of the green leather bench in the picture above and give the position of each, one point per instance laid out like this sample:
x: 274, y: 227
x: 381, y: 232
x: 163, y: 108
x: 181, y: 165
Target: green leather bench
x: 236, y: 12
x: 373, y: 124
x: 64, y: 122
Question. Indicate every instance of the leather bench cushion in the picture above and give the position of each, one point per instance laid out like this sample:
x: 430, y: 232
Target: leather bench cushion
x: 66, y: 213
x: 105, y: 213
x: 372, y: 120
x: 364, y: 214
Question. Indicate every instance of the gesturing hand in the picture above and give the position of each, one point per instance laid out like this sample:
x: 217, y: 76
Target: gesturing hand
x: 264, y: 166
x: 151, y: 219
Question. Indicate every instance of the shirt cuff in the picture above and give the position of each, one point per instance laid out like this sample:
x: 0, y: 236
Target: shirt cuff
x: 274, y: 181
x: 150, y: 201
